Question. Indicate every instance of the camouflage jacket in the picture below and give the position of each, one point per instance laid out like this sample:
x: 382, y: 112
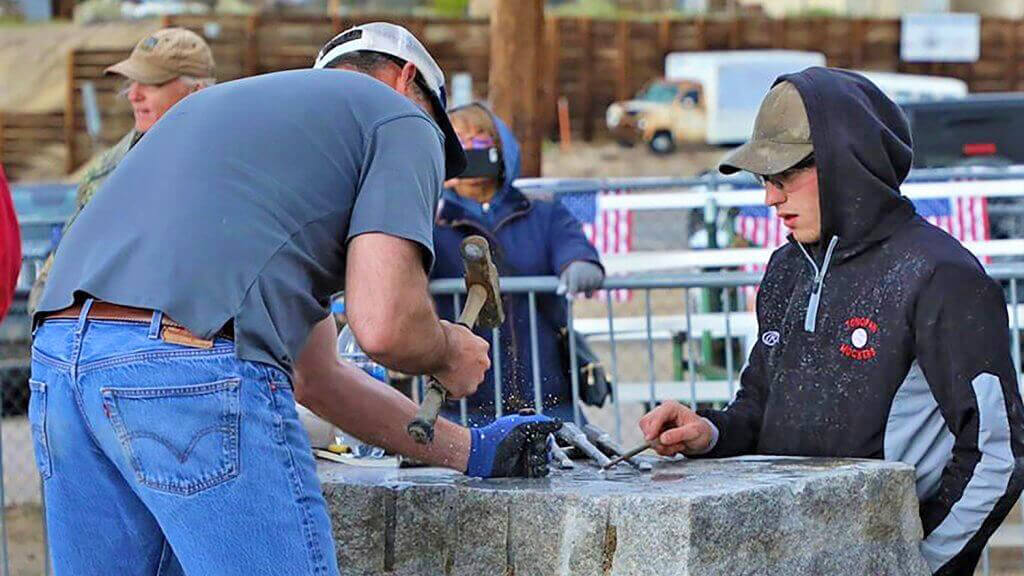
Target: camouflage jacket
x: 95, y: 175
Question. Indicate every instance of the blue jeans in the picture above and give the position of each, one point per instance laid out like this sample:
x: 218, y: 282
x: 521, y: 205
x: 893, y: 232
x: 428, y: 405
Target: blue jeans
x: 154, y: 453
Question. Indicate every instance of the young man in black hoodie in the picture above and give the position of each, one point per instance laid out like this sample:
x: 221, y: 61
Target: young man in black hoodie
x: 880, y: 335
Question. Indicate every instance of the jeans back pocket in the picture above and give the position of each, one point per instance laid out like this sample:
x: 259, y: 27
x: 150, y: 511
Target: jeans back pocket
x: 37, y: 419
x: 181, y: 439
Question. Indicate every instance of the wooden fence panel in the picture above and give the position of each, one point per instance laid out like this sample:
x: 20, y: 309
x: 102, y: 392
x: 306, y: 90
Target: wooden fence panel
x: 590, y: 62
x: 286, y: 44
x: 86, y: 66
x: 23, y: 137
x: 228, y: 38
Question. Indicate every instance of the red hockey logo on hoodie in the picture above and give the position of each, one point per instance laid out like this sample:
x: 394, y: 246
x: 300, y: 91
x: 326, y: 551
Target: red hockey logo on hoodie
x: 860, y: 332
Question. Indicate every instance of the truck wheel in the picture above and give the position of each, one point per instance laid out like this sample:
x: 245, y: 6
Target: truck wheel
x: 662, y: 143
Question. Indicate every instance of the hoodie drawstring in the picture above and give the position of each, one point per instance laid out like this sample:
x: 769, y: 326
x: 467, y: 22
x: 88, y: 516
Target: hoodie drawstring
x: 811, y: 319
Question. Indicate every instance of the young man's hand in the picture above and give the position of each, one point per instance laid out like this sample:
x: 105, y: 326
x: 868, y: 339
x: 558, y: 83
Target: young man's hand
x: 675, y: 429
x: 511, y: 446
x: 466, y: 363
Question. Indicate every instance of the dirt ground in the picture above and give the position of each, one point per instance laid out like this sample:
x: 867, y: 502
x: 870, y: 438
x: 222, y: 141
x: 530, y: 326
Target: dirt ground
x: 24, y: 525
x: 610, y: 160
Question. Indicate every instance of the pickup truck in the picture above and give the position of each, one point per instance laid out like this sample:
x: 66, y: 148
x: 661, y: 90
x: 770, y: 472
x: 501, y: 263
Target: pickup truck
x: 978, y: 130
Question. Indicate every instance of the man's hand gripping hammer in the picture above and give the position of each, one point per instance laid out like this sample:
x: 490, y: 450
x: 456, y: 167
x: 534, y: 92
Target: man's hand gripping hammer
x: 483, y: 308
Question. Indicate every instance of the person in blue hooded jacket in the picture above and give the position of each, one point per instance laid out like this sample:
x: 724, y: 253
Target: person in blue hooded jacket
x: 528, y: 237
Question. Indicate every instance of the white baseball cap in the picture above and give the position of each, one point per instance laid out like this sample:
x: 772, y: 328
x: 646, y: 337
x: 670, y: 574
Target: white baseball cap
x: 398, y: 42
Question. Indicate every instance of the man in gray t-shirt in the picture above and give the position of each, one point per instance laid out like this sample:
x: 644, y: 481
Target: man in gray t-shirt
x: 191, y: 298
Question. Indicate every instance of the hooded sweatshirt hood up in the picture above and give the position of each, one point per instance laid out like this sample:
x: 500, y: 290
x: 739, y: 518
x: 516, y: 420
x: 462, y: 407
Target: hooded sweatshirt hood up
x: 898, y: 350
x: 863, y: 151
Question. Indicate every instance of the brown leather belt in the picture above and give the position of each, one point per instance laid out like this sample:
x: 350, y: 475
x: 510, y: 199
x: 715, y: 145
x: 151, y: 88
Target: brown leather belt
x: 170, y: 331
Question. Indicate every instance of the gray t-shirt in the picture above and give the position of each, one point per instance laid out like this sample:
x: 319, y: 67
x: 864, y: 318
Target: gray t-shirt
x: 238, y: 205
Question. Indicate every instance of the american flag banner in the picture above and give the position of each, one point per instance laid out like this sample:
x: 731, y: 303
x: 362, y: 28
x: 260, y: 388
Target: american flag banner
x: 609, y: 230
x: 963, y: 217
x: 761, y: 227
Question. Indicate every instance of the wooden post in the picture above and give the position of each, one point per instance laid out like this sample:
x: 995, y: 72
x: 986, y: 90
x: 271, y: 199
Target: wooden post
x: 623, y: 87
x: 779, y: 33
x: 587, y: 78
x: 70, y: 160
x: 517, y: 33
x: 564, y: 129
x: 1011, y: 54
x: 664, y: 38
x: 552, y: 89
x: 251, y: 67
x: 857, y: 27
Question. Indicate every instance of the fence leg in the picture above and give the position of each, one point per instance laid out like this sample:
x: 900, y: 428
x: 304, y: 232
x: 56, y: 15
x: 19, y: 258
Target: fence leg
x: 574, y: 373
x: 616, y: 399
x: 650, y: 350
x: 691, y: 353
x: 463, y: 405
x: 538, y: 399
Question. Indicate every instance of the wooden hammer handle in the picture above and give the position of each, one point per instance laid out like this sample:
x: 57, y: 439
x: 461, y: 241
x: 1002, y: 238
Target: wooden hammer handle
x: 434, y: 395
x: 475, y: 300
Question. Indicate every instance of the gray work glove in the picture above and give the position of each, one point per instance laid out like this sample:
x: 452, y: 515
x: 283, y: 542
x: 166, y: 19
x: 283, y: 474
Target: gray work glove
x: 580, y: 276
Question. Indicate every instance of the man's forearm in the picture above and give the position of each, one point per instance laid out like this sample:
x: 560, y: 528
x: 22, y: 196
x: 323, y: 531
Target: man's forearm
x: 378, y: 414
x: 389, y: 307
x: 418, y: 344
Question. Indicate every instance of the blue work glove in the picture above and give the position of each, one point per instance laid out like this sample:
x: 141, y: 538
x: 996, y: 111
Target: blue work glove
x: 511, y: 446
x: 580, y: 276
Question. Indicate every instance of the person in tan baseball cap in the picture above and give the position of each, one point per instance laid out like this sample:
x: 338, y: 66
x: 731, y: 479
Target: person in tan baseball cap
x: 163, y: 68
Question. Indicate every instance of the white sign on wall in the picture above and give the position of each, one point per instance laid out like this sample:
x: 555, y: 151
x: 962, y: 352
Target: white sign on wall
x: 948, y: 37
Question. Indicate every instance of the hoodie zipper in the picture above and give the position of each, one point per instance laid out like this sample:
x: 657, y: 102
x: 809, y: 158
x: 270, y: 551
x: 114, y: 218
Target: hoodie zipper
x: 811, y: 319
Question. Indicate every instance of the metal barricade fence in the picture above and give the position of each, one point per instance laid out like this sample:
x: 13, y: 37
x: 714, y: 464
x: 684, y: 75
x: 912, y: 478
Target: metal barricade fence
x: 655, y: 346
x: 618, y: 340
x: 695, y: 388
x: 678, y: 289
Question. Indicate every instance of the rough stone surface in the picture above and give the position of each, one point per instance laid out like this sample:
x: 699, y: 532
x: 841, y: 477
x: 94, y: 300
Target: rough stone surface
x: 752, y: 515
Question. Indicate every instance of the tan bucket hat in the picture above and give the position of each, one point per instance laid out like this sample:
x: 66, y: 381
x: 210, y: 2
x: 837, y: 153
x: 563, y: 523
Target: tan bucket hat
x: 165, y: 55
x: 781, y: 139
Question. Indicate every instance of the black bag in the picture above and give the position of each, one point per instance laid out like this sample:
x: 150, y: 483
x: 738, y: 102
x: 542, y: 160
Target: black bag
x: 595, y: 387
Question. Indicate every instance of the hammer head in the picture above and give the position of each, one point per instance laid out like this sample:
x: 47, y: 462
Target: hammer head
x: 476, y: 256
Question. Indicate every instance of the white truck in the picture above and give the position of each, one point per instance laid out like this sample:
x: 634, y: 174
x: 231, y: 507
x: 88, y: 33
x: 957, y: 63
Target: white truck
x: 713, y: 97
x: 709, y: 97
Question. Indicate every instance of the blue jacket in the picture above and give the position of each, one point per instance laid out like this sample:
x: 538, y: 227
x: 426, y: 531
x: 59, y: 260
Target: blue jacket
x: 527, y: 238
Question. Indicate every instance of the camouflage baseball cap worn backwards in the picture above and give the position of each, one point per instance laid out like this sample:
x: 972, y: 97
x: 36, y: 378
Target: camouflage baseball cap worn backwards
x: 165, y: 55
x: 781, y: 139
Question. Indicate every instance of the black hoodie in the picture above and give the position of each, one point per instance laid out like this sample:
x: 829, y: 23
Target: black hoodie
x: 886, y: 341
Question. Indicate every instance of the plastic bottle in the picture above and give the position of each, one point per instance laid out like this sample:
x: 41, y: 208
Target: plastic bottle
x: 349, y: 351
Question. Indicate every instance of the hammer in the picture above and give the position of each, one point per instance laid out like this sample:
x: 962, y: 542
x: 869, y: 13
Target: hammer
x: 483, y: 307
